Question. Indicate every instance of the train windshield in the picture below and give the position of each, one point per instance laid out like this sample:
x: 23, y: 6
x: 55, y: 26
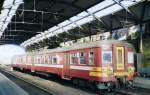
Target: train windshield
x: 106, y: 57
x: 130, y: 57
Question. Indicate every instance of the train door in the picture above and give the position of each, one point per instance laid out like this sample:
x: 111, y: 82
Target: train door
x: 120, y: 58
x: 66, y: 70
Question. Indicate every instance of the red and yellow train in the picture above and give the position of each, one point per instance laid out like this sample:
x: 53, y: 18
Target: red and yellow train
x: 102, y: 62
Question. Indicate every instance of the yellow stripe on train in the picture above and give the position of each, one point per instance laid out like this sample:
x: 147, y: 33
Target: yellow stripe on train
x: 105, y: 74
x: 120, y: 74
x: 98, y: 74
x: 106, y: 71
x: 99, y: 69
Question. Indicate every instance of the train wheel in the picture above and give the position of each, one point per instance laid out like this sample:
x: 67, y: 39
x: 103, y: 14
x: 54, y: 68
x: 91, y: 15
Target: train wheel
x: 89, y: 84
x: 118, y: 86
x: 81, y: 83
x: 75, y: 81
x: 111, y: 87
x: 129, y: 84
x: 93, y: 86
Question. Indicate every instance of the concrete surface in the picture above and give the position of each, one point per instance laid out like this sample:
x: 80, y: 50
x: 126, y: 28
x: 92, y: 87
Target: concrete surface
x: 7, y: 87
x: 142, y: 82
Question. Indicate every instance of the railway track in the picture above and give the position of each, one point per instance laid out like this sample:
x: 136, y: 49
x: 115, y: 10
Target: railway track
x: 133, y: 91
x: 64, y: 85
x: 29, y: 87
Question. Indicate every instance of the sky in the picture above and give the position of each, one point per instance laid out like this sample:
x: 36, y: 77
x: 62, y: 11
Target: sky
x: 8, y: 51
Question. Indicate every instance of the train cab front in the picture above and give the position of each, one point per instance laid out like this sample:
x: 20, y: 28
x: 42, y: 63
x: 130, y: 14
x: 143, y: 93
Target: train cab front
x: 123, y: 61
x: 116, y: 66
x: 104, y: 71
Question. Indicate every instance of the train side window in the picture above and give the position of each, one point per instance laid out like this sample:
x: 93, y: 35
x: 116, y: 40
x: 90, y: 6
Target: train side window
x: 130, y: 57
x: 91, y: 58
x: 41, y: 60
x: 50, y: 60
x: 71, y: 58
x: 45, y: 60
x: 74, y: 59
x: 19, y: 60
x: 28, y: 60
x: 82, y: 58
x: 106, y: 57
x: 54, y: 60
x: 35, y: 60
x: 38, y: 60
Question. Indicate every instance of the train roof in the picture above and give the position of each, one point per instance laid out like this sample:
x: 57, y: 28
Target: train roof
x: 77, y: 46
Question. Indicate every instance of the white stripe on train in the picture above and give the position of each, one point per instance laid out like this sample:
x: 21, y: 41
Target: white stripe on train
x: 81, y: 67
x: 48, y: 65
x: 61, y: 66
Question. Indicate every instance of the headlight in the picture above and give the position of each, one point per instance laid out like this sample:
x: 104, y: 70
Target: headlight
x: 130, y: 70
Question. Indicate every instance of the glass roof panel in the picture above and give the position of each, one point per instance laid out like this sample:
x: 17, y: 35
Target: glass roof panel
x: 59, y: 31
x: 102, y: 9
x: 8, y: 3
x: 85, y: 20
x: 70, y: 26
x: 75, y: 18
x: 66, y: 22
x: 128, y: 3
x: 100, y: 6
x: 109, y: 10
x: 82, y: 14
x: 8, y: 12
x: 53, y: 28
x: 13, y: 11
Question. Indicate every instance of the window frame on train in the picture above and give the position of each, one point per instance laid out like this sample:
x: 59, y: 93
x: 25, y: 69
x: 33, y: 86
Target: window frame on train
x: 54, y: 57
x: 104, y: 61
x: 72, y: 60
x: 84, y: 56
x: 130, y: 57
x: 89, y: 54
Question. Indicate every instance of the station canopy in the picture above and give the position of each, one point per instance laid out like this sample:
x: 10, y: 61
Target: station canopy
x: 40, y: 22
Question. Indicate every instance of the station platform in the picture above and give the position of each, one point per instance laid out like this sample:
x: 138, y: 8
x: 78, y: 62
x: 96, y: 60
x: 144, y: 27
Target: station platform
x: 142, y: 82
x: 7, y: 87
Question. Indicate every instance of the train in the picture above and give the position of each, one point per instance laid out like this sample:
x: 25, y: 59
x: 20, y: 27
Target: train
x: 101, y: 63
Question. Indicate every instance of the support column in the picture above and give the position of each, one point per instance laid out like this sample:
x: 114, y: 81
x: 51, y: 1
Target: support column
x: 141, y: 25
x: 141, y: 39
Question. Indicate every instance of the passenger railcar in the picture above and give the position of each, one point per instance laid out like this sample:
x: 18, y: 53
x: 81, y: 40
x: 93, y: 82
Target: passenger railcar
x: 102, y: 62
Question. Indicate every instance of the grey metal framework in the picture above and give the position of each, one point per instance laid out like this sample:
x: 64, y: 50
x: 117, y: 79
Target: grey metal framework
x: 35, y: 16
x: 1, y: 4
